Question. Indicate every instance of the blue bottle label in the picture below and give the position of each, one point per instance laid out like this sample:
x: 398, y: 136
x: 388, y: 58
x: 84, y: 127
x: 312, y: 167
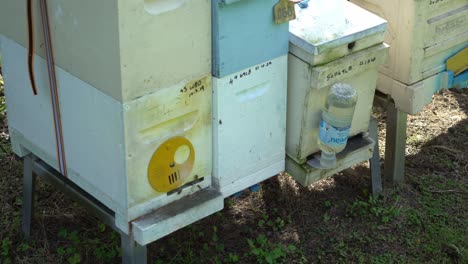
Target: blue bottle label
x: 333, y: 136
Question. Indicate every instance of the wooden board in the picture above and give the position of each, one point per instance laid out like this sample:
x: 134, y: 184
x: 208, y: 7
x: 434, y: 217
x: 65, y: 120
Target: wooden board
x: 419, y: 30
x: 321, y: 34
x: 249, y: 125
x: 358, y: 149
x: 245, y: 34
x: 125, y: 48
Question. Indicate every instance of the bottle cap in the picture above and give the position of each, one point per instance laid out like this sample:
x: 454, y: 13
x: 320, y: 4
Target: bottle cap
x: 343, y: 91
x: 328, y: 160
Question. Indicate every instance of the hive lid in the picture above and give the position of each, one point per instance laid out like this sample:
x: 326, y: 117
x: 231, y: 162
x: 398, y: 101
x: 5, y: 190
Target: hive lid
x: 323, y: 31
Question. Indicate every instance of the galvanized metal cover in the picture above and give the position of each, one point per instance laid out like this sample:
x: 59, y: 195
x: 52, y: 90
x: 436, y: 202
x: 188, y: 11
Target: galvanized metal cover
x: 323, y: 26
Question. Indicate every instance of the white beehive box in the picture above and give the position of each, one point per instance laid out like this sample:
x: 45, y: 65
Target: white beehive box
x: 136, y: 104
x: 249, y: 93
x: 422, y: 35
x: 249, y: 125
x: 124, y: 48
x: 317, y: 60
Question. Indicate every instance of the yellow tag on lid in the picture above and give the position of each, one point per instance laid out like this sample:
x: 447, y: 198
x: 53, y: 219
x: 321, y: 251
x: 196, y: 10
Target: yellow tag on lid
x: 284, y: 11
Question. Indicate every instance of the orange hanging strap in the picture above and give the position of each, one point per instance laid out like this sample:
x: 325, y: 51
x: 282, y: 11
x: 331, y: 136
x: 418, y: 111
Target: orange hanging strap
x: 53, y: 89
x: 30, y: 18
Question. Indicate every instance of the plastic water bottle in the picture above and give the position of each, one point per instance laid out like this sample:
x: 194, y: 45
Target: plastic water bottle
x: 335, y: 123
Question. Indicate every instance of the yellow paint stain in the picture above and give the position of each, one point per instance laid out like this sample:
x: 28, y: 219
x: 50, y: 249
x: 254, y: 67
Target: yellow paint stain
x: 459, y: 62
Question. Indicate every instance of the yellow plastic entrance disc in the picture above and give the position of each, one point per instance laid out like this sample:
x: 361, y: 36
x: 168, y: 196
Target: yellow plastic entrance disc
x: 171, y: 164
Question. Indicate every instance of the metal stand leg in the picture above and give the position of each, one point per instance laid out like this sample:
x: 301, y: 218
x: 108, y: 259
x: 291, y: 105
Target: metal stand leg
x: 395, y: 143
x: 132, y: 253
x: 376, y: 180
x: 28, y: 196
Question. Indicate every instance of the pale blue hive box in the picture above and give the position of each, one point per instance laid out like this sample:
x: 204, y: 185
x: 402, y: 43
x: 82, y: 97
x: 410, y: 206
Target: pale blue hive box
x: 245, y: 34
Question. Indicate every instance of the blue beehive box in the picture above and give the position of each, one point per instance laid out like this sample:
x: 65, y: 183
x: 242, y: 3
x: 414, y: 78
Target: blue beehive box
x: 245, y: 34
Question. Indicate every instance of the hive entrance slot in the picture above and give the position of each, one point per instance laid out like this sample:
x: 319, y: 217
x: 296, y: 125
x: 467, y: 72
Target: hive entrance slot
x: 174, y: 177
x: 189, y: 184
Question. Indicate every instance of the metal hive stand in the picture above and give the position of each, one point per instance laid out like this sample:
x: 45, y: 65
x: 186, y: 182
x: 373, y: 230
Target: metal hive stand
x: 395, y: 139
x: 132, y: 252
x: 359, y: 148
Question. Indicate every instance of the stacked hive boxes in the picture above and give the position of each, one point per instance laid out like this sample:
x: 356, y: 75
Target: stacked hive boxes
x: 323, y: 51
x: 134, y: 86
x: 426, y: 38
x: 249, y: 93
x: 422, y: 35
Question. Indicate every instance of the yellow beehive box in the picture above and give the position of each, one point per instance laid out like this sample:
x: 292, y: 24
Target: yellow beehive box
x: 423, y: 35
x: 124, y: 48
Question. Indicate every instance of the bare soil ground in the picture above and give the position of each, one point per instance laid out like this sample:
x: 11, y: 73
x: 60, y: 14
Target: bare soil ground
x: 334, y: 221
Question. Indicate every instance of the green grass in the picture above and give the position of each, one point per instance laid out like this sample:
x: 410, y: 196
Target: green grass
x: 2, y: 97
x: 393, y: 229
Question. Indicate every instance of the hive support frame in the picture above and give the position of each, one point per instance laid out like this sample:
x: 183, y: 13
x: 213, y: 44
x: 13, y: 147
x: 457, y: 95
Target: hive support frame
x: 395, y: 144
x: 132, y: 252
x: 374, y: 162
x: 29, y: 182
x: 395, y: 139
x: 360, y: 148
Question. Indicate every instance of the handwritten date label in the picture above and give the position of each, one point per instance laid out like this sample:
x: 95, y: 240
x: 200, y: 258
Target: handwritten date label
x: 433, y: 2
x: 194, y: 87
x: 346, y: 70
x: 368, y: 61
x: 249, y: 72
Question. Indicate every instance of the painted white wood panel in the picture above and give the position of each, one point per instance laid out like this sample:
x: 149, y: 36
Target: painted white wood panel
x: 422, y: 36
x: 249, y: 125
x: 178, y: 214
x: 235, y: 22
x: 155, y: 118
x: 93, y: 136
x: 413, y: 98
x: 162, y: 42
x: 321, y: 33
x: 414, y: 27
x: 92, y: 126
x: 29, y: 116
x: 84, y: 33
x: 125, y: 48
